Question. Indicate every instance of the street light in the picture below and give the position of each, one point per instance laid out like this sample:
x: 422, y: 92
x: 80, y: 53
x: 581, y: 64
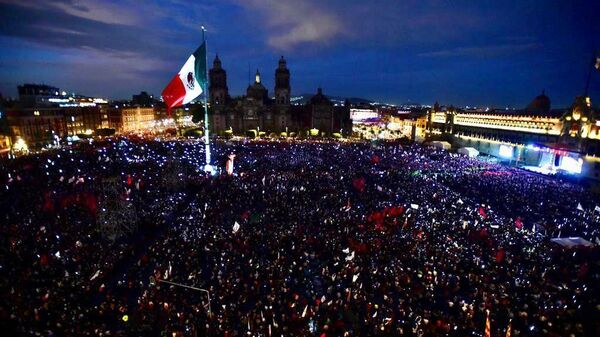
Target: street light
x: 153, y: 283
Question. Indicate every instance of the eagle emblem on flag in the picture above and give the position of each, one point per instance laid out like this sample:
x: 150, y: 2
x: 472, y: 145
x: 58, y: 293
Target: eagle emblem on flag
x: 190, y: 80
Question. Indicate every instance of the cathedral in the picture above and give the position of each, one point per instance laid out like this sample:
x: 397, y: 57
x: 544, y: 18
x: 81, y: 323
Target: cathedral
x: 259, y: 113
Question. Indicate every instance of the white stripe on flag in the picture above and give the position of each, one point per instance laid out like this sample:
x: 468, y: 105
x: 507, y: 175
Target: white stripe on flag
x: 187, y: 75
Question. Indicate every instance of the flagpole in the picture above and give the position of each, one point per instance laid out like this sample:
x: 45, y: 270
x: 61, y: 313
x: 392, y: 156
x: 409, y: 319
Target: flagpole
x: 207, y: 166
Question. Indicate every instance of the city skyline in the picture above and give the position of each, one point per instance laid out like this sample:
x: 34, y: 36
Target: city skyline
x: 484, y: 54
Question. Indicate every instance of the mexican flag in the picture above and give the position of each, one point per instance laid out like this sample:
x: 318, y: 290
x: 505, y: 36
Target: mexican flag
x: 189, y: 83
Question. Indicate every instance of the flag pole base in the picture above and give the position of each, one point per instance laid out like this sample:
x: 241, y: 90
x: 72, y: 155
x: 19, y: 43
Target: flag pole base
x: 209, y: 169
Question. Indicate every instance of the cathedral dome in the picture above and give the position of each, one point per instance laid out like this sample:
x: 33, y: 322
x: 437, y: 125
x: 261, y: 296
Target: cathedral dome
x: 257, y: 90
x: 540, y: 104
x: 256, y: 87
x: 319, y: 98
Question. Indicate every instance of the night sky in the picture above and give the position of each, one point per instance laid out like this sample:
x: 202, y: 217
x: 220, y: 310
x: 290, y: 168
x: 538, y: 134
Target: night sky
x: 498, y: 53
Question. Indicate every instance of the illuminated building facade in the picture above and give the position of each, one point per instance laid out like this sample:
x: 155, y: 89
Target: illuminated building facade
x: 537, y: 138
x: 44, y: 115
x: 389, y: 123
x: 131, y: 119
x: 35, y: 95
x: 5, y: 132
x: 364, y: 115
x: 258, y: 113
x: 581, y: 127
x: 5, y: 144
x: 84, y: 120
x: 38, y: 127
x: 412, y: 125
x: 42, y: 126
x: 44, y: 96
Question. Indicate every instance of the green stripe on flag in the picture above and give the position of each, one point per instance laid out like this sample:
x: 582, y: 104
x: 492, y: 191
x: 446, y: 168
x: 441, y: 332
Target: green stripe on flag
x: 200, y: 66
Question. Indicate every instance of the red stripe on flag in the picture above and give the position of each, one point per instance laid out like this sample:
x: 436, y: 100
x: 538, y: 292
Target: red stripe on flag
x: 174, y: 93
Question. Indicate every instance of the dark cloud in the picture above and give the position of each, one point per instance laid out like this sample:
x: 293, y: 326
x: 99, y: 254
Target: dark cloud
x: 57, y: 29
x: 293, y: 23
x: 497, y: 52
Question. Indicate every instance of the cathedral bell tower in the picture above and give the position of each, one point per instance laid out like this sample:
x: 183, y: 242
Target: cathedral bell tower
x: 218, y: 91
x: 282, y: 83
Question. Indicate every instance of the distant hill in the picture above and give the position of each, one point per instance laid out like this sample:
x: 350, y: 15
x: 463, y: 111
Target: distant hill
x: 304, y: 98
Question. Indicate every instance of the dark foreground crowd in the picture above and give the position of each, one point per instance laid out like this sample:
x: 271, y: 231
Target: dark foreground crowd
x: 304, y: 239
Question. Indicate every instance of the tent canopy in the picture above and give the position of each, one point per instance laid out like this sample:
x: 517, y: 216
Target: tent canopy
x: 572, y: 242
x: 468, y: 151
x: 441, y: 145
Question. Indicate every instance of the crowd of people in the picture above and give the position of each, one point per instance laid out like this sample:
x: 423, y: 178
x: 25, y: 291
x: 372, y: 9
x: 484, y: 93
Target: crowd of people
x: 130, y: 237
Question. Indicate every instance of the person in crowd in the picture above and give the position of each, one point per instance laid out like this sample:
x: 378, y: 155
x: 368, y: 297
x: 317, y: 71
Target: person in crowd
x: 305, y: 238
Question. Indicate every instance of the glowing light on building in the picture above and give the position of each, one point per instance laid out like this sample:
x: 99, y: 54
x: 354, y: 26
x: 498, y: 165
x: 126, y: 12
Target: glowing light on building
x: 571, y: 164
x: 394, y: 126
x: 58, y: 100
x: 20, y: 146
x: 439, y: 117
x: 533, y: 147
x: 74, y: 138
x: 506, y: 151
x: 361, y: 115
x: 511, y: 123
x: 77, y: 104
